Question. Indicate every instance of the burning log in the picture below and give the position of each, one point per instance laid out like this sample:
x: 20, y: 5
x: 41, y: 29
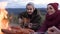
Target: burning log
x: 17, y: 30
x: 7, y: 31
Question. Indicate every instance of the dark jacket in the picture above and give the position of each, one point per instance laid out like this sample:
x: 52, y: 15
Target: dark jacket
x: 35, y: 18
x: 51, y: 20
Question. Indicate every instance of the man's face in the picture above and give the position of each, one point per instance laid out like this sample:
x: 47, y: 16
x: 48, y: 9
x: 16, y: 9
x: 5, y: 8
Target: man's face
x: 30, y: 9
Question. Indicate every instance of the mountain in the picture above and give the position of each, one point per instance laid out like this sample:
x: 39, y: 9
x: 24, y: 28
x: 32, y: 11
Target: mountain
x: 16, y: 11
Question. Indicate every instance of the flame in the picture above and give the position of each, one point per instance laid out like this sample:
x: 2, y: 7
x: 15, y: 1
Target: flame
x: 3, y: 18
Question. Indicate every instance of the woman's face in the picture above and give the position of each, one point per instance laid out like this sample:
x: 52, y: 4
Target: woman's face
x: 50, y: 10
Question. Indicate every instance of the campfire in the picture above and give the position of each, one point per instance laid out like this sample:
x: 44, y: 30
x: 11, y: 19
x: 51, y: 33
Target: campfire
x: 4, y: 23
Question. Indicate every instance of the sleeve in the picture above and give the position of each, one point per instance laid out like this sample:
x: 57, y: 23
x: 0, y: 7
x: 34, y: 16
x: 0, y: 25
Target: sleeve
x: 38, y: 19
x: 56, y: 21
x: 36, y: 23
x: 43, y: 28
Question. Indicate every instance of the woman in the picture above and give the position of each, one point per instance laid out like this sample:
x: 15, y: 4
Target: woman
x: 52, y: 17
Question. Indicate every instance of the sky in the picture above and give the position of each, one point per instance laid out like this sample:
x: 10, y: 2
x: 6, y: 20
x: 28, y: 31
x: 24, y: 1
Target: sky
x: 22, y: 3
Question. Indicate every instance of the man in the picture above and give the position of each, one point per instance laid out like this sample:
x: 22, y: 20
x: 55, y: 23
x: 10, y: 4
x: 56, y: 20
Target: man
x: 30, y: 18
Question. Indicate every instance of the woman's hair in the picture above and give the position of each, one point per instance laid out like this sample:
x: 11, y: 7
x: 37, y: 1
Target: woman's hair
x: 54, y: 5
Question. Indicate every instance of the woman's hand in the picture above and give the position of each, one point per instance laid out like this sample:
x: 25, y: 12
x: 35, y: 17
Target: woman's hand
x: 53, y: 30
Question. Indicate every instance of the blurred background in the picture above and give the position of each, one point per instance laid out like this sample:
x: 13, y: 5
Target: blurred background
x: 14, y: 7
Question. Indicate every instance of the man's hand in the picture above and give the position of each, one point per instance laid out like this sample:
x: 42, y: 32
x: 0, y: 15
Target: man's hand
x: 53, y: 30
x: 30, y: 25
